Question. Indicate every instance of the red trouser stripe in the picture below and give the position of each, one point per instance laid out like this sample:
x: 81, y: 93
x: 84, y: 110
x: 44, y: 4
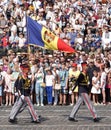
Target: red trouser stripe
x: 31, y: 109
x: 89, y: 105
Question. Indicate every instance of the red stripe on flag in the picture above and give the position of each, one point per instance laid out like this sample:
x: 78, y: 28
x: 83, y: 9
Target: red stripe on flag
x: 62, y: 46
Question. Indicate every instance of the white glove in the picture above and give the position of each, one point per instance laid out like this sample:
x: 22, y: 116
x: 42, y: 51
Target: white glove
x: 16, y: 94
x: 70, y: 92
x: 22, y: 97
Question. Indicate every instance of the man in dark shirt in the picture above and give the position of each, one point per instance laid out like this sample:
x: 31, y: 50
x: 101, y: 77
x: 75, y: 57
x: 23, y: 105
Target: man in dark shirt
x: 23, y: 87
x: 83, y: 83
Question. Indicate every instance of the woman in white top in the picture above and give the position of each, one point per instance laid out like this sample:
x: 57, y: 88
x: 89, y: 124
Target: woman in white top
x: 49, y: 78
x: 13, y: 27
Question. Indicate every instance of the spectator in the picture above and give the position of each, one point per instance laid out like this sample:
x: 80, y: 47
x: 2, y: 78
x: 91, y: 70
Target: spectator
x: 13, y: 40
x: 67, y: 19
x: 14, y: 76
x: 106, y: 37
x: 63, y: 74
x: 3, y: 23
x: 95, y: 87
x: 49, y: 79
x: 39, y: 79
x: 5, y: 64
x: 1, y: 83
x: 73, y: 75
x: 8, y: 87
x: 13, y: 26
x: 57, y: 82
x: 5, y: 40
x: 98, y: 62
x: 103, y: 83
x: 108, y: 88
x: 78, y: 42
x: 21, y: 41
x: 73, y: 35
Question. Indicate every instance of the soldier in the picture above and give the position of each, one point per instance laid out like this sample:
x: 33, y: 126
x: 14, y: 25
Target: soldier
x: 82, y: 83
x: 23, y: 86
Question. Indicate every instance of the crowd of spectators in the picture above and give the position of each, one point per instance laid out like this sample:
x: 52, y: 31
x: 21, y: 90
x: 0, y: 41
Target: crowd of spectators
x: 85, y: 25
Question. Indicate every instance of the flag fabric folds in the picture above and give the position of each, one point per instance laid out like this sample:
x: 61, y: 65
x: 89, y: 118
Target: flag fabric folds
x: 43, y: 37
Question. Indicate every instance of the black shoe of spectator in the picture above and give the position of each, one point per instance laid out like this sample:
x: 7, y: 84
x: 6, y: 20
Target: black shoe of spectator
x: 72, y: 119
x: 96, y: 119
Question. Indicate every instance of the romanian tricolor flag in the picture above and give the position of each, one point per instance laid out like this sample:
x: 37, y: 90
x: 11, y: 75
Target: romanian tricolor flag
x: 43, y: 37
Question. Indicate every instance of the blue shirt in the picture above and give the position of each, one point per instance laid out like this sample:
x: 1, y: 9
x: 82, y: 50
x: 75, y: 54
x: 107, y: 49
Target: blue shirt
x: 63, y: 77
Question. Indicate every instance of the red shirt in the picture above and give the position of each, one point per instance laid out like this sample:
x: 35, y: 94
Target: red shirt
x: 5, y: 41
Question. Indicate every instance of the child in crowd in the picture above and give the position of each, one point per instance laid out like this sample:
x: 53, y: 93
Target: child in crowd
x: 8, y: 87
x: 95, y: 87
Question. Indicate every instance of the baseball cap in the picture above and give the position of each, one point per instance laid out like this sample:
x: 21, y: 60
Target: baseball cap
x: 74, y: 65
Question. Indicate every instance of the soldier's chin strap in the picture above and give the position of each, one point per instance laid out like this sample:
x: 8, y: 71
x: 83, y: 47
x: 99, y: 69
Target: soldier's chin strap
x: 25, y: 75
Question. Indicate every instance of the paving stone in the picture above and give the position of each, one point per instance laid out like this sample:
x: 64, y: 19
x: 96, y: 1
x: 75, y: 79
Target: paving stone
x: 56, y: 118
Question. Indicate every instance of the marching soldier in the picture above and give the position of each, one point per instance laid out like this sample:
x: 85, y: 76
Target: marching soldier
x: 23, y: 86
x: 82, y: 83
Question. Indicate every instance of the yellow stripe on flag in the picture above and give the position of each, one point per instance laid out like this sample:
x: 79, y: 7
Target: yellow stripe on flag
x: 49, y: 38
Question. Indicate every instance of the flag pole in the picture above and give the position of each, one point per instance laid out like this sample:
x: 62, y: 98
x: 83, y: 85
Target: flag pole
x: 29, y: 48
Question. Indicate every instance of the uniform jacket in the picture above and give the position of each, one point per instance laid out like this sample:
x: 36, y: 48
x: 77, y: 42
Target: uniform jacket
x: 23, y: 85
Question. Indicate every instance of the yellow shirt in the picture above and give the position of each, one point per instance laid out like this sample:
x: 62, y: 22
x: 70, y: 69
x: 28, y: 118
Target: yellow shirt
x: 74, y: 74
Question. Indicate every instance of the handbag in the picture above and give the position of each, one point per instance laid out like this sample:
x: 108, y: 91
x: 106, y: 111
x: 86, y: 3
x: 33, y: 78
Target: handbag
x: 57, y: 86
x: 43, y: 84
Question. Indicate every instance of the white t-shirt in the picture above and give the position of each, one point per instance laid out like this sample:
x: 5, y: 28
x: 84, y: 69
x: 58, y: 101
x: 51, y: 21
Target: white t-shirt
x: 13, y: 29
x: 21, y: 42
x: 96, y: 85
x: 36, y: 4
x: 8, y: 83
x: 49, y: 80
